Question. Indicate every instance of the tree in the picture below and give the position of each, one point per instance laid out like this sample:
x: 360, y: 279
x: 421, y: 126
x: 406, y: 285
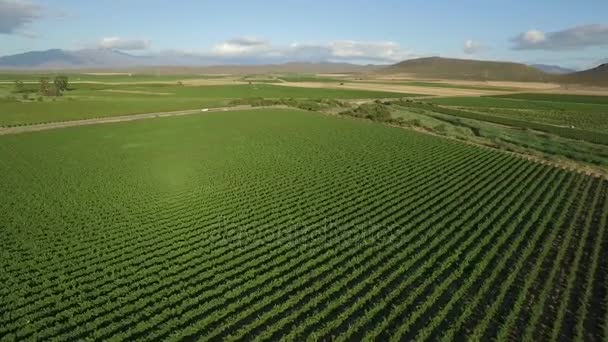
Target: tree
x: 19, y: 87
x: 44, y: 86
x: 61, y: 83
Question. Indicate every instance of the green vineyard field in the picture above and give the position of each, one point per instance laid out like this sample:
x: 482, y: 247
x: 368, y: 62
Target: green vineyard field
x: 284, y: 224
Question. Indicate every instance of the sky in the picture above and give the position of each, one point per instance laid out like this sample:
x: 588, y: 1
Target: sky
x: 568, y: 33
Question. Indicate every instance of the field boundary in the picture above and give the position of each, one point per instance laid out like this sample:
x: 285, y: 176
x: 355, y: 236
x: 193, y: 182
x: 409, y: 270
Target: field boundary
x: 122, y: 118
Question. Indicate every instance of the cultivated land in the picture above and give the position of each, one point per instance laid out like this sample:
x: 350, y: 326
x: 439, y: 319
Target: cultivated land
x: 88, y: 101
x: 302, y: 207
x: 289, y: 224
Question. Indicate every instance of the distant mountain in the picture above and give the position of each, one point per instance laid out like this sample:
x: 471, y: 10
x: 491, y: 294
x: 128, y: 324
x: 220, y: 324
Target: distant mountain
x: 466, y: 69
x: 113, y: 59
x: 56, y: 58
x: 173, y: 62
x: 597, y: 76
x: 39, y: 58
x: 290, y: 67
x: 552, y: 69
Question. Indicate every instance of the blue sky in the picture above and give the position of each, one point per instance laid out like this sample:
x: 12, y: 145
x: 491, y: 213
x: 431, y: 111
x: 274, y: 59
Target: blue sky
x: 568, y: 33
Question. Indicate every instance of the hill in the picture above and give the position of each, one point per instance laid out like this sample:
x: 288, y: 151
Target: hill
x: 466, y: 69
x: 552, y: 69
x: 56, y: 58
x: 104, y: 59
x: 597, y: 76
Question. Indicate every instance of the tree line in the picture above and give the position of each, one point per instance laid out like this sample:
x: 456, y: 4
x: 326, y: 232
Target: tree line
x: 45, y: 87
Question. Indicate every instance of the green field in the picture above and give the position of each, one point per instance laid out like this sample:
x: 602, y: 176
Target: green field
x: 514, y: 139
x: 581, y: 121
x: 498, y: 102
x: 559, y: 98
x: 119, y: 78
x: 284, y: 224
x: 101, y: 100
x: 586, y: 121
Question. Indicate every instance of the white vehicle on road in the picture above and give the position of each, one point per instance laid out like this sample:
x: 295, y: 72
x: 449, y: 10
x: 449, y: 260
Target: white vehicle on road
x: 205, y: 110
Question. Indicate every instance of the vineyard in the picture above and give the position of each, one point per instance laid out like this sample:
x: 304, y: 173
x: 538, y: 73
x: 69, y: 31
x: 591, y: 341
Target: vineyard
x: 285, y: 224
x: 88, y: 101
x: 574, y: 120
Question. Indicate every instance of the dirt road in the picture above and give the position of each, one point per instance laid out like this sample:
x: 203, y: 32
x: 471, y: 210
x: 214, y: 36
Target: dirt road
x: 112, y: 119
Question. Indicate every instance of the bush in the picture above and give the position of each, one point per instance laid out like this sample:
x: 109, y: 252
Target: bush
x: 371, y: 111
x: 416, y: 122
x: 442, y: 129
x: 306, y: 104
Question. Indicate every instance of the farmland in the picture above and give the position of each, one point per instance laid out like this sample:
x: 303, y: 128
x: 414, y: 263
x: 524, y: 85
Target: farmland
x: 87, y: 101
x: 285, y: 224
x: 578, y: 120
x: 500, y: 102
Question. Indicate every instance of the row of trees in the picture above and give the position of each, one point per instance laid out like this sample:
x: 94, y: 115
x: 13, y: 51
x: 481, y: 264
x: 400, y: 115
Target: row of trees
x: 59, y: 85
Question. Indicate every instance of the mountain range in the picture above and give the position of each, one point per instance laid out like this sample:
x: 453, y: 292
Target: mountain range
x: 109, y: 58
x: 553, y: 69
x: 428, y: 67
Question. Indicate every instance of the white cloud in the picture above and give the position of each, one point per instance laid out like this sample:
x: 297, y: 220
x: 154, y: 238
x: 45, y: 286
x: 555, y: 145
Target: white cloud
x: 340, y: 50
x: 375, y: 51
x: 123, y: 44
x: 534, y: 37
x: 244, y: 46
x: 572, y: 38
x: 16, y: 15
x: 470, y: 47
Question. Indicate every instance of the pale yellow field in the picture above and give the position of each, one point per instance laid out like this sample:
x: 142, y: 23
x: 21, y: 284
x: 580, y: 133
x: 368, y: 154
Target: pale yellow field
x: 398, y: 88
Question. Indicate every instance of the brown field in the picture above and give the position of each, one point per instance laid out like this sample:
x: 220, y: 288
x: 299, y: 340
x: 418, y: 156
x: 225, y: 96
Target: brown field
x: 398, y: 88
x: 135, y: 92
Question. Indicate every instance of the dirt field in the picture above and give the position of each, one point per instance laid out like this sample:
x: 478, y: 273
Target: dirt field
x: 505, y: 84
x: 333, y: 75
x: 135, y: 92
x: 398, y: 88
x: 107, y: 73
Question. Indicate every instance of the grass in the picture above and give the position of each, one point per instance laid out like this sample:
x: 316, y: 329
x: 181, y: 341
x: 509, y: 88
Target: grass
x: 288, y: 225
x: 93, y: 100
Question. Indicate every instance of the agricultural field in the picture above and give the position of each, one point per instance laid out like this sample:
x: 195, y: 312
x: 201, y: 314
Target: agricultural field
x: 509, y: 103
x: 119, y: 77
x: 559, y: 98
x: 515, y: 139
x: 446, y: 85
x: 311, y: 78
x: 86, y: 101
x: 287, y: 224
x: 575, y: 120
